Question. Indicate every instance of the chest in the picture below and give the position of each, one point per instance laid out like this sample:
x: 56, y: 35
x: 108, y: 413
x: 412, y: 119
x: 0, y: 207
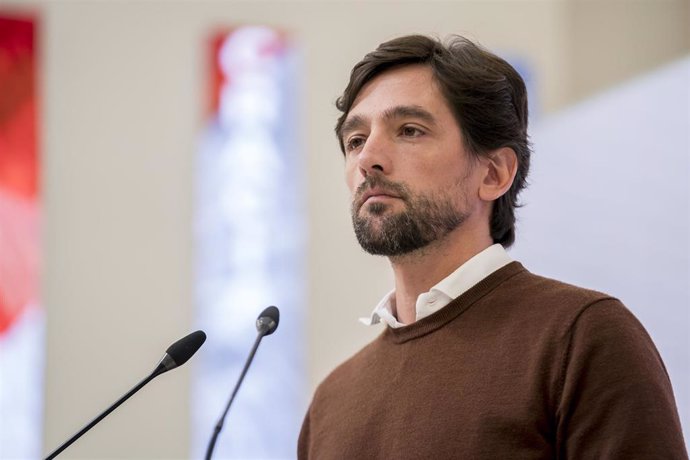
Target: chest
x: 456, y: 401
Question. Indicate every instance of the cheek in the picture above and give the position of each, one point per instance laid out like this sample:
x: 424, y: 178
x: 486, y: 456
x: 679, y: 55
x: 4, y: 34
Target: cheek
x: 352, y: 176
x: 453, y: 181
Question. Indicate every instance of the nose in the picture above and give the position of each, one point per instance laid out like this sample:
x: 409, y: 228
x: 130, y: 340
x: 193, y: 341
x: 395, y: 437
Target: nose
x: 375, y: 157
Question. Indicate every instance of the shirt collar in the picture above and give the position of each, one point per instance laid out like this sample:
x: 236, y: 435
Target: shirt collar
x: 462, y: 279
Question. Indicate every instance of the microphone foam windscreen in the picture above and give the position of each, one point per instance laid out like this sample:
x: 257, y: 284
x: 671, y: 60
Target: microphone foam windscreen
x: 273, y: 314
x: 184, y: 348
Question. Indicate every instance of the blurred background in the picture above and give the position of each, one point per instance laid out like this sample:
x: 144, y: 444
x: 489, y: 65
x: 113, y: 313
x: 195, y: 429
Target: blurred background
x: 170, y: 166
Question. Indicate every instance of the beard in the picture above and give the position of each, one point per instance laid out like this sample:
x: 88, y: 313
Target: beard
x: 425, y: 219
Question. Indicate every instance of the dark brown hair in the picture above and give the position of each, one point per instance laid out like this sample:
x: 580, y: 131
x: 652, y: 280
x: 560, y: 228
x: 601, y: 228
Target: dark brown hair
x: 486, y: 95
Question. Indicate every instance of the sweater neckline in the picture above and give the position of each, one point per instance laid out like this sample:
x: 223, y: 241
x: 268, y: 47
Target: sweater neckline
x: 455, y: 308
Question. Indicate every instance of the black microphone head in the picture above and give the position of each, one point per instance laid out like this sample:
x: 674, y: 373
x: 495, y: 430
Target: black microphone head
x: 267, y: 322
x: 185, y: 348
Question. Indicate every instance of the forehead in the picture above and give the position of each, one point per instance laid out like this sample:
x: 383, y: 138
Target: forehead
x: 412, y: 85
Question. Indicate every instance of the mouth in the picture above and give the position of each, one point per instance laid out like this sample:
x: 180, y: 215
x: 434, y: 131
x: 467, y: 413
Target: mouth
x: 375, y: 194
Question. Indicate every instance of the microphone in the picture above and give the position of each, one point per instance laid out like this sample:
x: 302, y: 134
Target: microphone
x: 266, y: 324
x: 176, y: 355
x: 179, y: 352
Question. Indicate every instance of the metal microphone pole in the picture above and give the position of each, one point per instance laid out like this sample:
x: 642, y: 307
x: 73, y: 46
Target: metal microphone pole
x: 266, y: 324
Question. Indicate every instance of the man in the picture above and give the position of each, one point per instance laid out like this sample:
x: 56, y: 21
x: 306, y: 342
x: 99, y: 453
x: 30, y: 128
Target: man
x: 480, y: 358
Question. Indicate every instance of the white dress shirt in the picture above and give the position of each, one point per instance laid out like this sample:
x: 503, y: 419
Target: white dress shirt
x: 463, y: 278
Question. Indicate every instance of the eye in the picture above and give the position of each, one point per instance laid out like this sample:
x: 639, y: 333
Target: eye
x: 411, y: 131
x: 353, y: 143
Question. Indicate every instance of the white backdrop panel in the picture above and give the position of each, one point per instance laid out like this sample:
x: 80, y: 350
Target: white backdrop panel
x: 608, y: 207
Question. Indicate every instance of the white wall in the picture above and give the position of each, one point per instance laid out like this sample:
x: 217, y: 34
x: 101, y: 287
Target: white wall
x: 608, y: 207
x: 123, y: 103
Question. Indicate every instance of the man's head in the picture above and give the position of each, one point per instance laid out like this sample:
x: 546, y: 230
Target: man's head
x: 486, y: 100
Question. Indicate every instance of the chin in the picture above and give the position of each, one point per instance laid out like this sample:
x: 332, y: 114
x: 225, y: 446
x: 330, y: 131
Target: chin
x: 376, y: 209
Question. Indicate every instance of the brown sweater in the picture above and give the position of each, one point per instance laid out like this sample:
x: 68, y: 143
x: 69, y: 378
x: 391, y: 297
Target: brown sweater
x: 518, y: 367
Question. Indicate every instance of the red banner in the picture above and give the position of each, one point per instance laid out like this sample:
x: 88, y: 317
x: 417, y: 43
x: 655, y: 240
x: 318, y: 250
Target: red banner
x: 19, y: 147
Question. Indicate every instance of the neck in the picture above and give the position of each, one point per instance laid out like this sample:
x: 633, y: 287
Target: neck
x: 417, y: 272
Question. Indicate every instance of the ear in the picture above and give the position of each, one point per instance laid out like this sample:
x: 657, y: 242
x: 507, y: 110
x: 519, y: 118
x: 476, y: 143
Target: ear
x: 500, y: 170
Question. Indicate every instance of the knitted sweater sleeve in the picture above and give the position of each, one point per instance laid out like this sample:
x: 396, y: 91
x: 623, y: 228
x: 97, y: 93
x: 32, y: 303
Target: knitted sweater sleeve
x: 616, y: 400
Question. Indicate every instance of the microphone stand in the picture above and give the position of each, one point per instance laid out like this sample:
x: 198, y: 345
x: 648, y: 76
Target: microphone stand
x: 219, y: 425
x: 176, y: 355
x: 117, y: 403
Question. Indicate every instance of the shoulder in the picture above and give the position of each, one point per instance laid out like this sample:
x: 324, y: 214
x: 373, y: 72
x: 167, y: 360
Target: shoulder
x: 584, y: 324
x: 608, y: 328
x: 541, y: 299
x: 548, y: 289
x: 566, y: 315
x: 589, y: 314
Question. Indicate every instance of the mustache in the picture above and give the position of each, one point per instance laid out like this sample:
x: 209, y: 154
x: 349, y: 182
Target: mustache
x: 379, y: 182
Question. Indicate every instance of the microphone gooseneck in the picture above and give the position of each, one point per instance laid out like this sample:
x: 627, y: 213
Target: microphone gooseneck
x: 176, y: 355
x: 266, y: 324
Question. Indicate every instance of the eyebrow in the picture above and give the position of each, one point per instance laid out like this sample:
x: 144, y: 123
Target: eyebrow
x: 352, y: 123
x: 401, y: 111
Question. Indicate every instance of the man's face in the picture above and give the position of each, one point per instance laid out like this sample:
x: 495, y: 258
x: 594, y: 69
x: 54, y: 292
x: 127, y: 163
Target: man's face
x: 410, y: 176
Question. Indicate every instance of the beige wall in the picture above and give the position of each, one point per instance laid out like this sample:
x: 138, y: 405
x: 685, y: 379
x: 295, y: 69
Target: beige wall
x: 123, y: 94
x: 612, y: 41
